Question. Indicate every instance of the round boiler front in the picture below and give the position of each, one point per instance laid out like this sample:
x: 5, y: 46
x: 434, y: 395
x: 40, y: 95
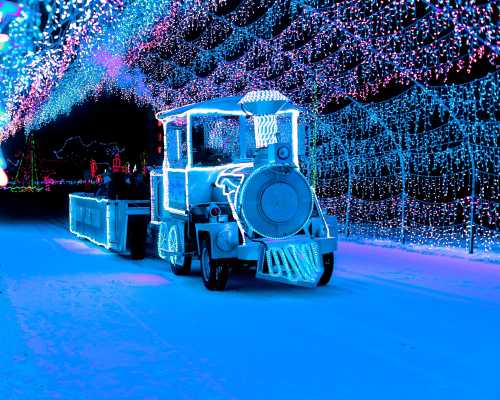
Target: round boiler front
x: 275, y: 201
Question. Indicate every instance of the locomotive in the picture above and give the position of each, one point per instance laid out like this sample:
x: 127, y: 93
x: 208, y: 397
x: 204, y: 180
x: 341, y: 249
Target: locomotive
x: 231, y: 194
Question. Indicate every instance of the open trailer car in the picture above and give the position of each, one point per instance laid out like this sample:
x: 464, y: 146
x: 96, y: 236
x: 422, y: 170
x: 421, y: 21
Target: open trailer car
x: 230, y: 193
x: 117, y: 224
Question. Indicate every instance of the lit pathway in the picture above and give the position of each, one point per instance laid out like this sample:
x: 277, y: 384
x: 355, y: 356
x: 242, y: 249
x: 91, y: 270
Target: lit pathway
x: 77, y: 322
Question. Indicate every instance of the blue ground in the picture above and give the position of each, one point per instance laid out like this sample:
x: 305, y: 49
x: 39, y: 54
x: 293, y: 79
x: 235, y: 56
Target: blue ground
x: 77, y: 322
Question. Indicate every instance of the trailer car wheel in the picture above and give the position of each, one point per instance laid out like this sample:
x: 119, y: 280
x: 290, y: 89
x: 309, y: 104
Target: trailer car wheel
x: 328, y: 261
x: 214, y: 272
x: 137, y: 232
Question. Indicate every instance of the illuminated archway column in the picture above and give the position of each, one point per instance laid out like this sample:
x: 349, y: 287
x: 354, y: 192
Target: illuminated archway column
x: 347, y: 157
x: 313, y: 164
x: 402, y: 162
x: 347, y: 227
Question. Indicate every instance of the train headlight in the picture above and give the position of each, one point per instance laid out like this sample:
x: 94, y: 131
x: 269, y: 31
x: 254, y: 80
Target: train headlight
x: 227, y: 239
x: 283, y: 153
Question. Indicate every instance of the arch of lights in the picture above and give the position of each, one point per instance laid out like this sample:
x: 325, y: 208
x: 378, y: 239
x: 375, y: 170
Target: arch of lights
x: 400, y: 96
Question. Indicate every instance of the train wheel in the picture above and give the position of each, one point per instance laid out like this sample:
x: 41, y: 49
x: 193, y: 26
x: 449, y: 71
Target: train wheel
x: 137, y: 232
x: 214, y: 272
x: 328, y: 261
x: 171, y: 248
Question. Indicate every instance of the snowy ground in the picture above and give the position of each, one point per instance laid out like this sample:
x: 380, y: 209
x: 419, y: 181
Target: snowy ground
x: 77, y: 322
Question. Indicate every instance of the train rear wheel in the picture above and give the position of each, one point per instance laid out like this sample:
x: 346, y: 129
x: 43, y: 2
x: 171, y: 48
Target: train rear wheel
x: 184, y: 269
x: 180, y: 264
x: 171, y: 248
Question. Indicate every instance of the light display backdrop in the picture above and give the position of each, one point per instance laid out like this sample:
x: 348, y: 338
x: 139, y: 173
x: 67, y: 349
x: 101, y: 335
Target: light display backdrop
x: 401, y: 97
x: 423, y: 167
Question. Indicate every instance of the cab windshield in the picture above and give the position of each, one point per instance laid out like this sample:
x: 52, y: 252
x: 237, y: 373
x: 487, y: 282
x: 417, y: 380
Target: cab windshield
x: 219, y: 140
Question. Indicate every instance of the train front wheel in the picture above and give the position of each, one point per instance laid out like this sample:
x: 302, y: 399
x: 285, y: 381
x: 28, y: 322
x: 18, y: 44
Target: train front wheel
x: 215, y: 273
x: 328, y: 261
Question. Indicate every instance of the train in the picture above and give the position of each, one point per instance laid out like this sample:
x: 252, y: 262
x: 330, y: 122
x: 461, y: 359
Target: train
x: 229, y: 193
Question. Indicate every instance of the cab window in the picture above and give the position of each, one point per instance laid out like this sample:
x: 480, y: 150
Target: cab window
x: 215, y: 140
x: 175, y: 144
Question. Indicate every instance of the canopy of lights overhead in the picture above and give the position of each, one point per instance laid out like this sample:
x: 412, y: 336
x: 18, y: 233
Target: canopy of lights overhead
x: 400, y: 97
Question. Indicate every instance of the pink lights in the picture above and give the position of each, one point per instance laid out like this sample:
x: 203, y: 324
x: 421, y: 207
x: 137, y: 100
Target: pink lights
x: 127, y: 279
x: 3, y: 178
x: 79, y: 247
x: 133, y: 279
x: 10, y: 9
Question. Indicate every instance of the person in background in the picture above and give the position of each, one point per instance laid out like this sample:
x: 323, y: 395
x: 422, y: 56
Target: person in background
x: 139, y: 188
x: 119, y: 187
x: 103, y: 190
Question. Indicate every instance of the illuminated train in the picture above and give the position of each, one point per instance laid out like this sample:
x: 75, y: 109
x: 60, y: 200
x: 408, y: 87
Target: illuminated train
x: 230, y: 193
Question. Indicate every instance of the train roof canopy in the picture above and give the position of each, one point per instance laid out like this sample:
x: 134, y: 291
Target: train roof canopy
x: 223, y: 105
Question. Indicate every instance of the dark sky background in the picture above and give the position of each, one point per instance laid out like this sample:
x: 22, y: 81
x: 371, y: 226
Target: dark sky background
x: 105, y: 120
